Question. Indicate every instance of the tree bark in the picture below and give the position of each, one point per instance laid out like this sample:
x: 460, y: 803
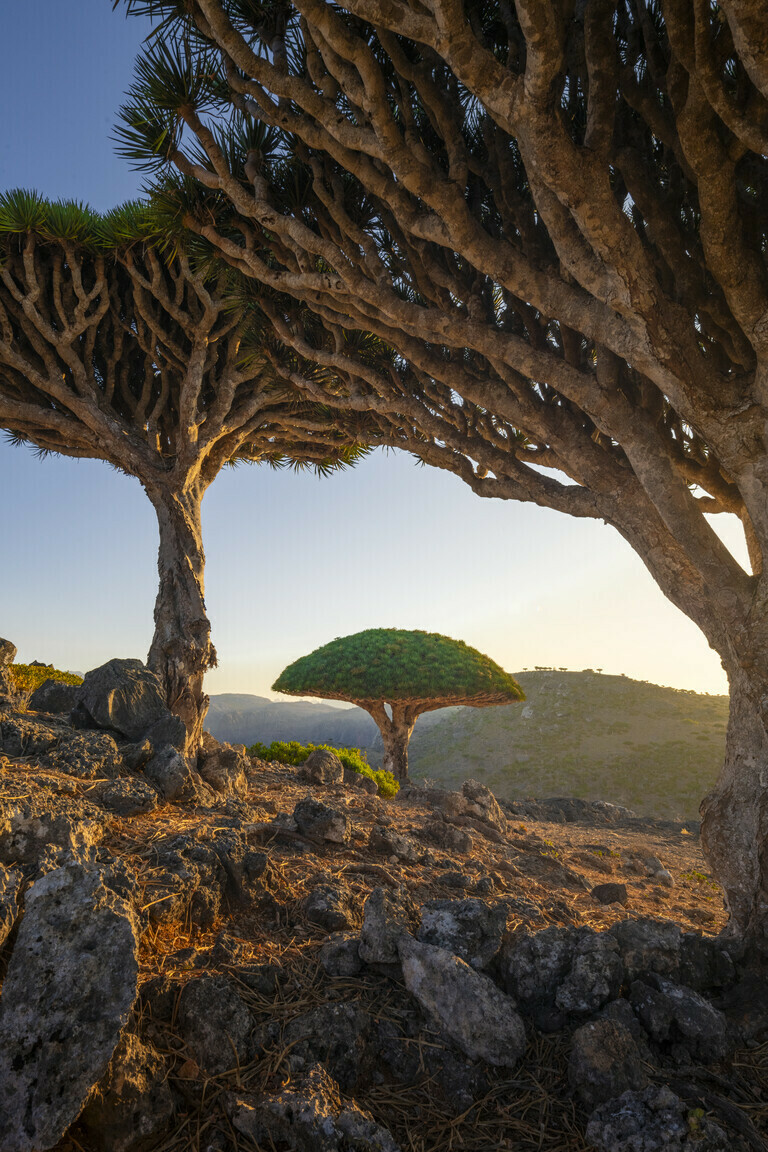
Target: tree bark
x: 181, y: 651
x: 734, y: 829
x: 395, y: 733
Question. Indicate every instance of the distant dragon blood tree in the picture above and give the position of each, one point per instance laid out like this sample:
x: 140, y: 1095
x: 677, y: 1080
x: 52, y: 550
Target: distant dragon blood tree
x: 407, y: 672
x: 557, y: 214
x: 111, y: 350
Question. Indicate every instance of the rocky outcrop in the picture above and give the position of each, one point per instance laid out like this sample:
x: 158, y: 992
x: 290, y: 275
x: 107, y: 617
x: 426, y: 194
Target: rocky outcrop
x: 67, y: 995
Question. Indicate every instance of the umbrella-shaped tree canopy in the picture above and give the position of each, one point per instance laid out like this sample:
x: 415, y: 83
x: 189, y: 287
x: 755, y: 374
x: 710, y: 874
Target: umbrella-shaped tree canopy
x: 412, y: 672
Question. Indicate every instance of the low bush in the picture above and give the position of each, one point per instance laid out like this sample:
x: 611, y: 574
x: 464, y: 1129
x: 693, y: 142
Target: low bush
x: 28, y: 677
x: 294, y: 753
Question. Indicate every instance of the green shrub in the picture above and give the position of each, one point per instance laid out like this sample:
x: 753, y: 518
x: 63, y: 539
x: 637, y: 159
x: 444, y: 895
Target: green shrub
x: 28, y: 677
x: 293, y: 753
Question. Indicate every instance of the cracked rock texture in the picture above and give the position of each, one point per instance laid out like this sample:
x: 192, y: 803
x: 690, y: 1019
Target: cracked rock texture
x: 68, y: 993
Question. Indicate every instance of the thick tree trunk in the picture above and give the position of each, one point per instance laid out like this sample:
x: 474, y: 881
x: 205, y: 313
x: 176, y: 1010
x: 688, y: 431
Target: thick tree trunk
x: 735, y: 813
x: 181, y: 651
x: 395, y: 733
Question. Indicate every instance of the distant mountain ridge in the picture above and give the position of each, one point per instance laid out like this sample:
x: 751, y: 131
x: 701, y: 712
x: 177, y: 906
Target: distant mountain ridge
x: 657, y: 750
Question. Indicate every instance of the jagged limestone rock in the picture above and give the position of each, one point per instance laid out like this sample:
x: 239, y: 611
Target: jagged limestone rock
x: 465, y: 1004
x: 67, y: 995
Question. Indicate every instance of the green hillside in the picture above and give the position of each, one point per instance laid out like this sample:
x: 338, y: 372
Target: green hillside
x: 657, y: 750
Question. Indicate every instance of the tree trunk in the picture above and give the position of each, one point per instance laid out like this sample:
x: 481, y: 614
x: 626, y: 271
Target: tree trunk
x: 395, y: 733
x: 181, y: 651
x: 734, y: 828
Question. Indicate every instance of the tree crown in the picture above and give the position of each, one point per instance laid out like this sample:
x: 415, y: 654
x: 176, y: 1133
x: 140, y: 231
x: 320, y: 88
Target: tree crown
x: 397, y: 665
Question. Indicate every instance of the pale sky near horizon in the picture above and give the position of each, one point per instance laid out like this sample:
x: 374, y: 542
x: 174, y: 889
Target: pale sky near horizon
x: 293, y: 561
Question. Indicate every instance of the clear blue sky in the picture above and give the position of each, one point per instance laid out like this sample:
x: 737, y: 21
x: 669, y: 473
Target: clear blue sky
x: 293, y: 561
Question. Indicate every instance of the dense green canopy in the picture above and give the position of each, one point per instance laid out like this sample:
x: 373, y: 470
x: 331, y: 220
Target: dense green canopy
x: 397, y: 665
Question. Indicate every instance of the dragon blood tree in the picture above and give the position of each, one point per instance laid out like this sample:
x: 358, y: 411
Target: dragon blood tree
x: 405, y: 672
x: 115, y: 350
x: 557, y: 213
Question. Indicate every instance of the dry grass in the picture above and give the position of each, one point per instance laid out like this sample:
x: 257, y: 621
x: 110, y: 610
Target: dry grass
x: 531, y: 1110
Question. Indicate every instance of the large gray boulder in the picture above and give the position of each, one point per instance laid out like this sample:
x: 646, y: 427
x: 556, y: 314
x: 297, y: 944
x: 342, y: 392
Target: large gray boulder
x: 67, y: 995
x: 463, y: 1003
x: 126, y: 696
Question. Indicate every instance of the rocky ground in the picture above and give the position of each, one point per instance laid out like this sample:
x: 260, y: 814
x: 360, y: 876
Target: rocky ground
x: 239, y: 955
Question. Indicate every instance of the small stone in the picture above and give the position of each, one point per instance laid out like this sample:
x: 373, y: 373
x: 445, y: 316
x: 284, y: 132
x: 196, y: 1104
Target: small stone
x: 224, y: 767
x: 340, y: 955
x: 389, y: 843
x: 310, y: 1115
x: 469, y: 928
x: 10, y: 884
x: 673, y: 1014
x: 335, y: 1035
x: 127, y: 796
x: 320, y: 822
x: 450, y: 839
x: 215, y: 1022
x: 133, y: 1103
x: 388, y: 914
x: 648, y: 946
x: 654, y: 1120
x: 595, y: 976
x: 323, y: 767
x: 465, y: 1004
x: 611, y: 894
x: 604, y: 1062
x: 330, y: 907
x: 171, y: 773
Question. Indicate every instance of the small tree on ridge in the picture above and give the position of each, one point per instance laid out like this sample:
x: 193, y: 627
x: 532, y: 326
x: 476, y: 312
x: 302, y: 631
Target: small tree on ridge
x: 409, y: 672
